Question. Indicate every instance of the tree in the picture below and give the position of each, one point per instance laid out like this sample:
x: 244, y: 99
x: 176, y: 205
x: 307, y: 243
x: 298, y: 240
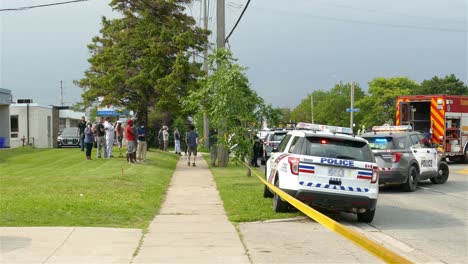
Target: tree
x: 379, y: 106
x: 232, y: 107
x: 303, y: 112
x: 450, y: 84
x: 331, y: 110
x: 142, y: 61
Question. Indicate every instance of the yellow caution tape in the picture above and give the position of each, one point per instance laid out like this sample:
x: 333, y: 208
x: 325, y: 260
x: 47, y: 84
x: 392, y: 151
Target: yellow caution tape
x: 362, y: 241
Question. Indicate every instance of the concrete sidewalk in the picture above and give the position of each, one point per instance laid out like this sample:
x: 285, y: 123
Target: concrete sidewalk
x: 26, y: 245
x: 192, y: 226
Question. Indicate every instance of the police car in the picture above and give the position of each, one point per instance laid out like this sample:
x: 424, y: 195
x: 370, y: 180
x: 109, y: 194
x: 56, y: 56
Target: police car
x: 325, y: 167
x: 406, y: 157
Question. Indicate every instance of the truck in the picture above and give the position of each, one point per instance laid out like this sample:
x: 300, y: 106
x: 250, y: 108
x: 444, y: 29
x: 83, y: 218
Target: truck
x: 444, y: 118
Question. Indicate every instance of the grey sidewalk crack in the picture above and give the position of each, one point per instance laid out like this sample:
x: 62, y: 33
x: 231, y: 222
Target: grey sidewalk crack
x: 59, y: 246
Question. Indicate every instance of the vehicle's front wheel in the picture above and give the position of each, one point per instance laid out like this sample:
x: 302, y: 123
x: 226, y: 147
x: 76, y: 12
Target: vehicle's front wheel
x: 366, y: 217
x: 442, y: 174
x: 279, y: 205
x: 412, y: 182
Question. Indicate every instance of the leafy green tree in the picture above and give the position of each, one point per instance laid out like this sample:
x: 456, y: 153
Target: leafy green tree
x: 283, y: 117
x: 331, y: 110
x: 142, y: 60
x: 232, y: 107
x: 303, y: 112
x: 379, y: 106
x: 450, y: 84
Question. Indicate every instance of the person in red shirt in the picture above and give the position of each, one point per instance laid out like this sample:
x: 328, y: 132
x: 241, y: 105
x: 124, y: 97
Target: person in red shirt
x: 131, y: 144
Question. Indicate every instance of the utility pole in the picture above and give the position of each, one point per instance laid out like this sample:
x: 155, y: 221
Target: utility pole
x: 352, y: 106
x: 61, y: 92
x: 220, y: 36
x: 205, y: 68
x: 220, y: 28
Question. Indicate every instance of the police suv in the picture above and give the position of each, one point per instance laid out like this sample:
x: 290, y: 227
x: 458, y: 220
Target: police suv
x: 325, y: 167
x: 406, y: 157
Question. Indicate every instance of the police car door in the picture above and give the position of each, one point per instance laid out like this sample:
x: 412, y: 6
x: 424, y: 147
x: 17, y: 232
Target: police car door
x: 420, y: 154
x: 431, y: 154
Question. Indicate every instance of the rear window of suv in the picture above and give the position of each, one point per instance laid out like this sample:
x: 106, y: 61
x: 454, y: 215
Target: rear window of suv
x: 384, y: 143
x: 337, y: 148
x: 277, y: 137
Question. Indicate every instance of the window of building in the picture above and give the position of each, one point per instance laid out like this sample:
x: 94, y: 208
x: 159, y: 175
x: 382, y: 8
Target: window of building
x: 14, y: 126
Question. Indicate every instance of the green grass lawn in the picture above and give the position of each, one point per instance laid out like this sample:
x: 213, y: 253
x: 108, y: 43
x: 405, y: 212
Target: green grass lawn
x: 59, y: 187
x: 243, y: 196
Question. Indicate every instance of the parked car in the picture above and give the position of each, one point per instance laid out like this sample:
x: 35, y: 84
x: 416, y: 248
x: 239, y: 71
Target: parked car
x: 69, y: 137
x: 271, y: 143
x: 325, y: 167
x: 406, y: 157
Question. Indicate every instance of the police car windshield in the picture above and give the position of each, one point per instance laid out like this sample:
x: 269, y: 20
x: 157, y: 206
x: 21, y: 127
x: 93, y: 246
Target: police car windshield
x: 384, y: 143
x: 277, y: 137
x: 338, y: 148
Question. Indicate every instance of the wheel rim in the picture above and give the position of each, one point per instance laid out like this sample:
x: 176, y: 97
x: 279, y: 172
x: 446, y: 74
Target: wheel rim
x: 443, y: 172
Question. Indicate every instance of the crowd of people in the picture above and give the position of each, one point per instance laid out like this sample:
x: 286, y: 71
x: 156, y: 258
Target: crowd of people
x: 102, y: 135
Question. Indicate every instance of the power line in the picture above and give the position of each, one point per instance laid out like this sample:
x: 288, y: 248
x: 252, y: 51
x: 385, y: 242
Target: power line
x: 238, y: 20
x: 37, y: 6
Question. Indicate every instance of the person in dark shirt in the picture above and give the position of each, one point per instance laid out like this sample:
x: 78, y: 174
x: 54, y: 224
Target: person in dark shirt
x: 212, y: 142
x: 81, y: 127
x: 101, y: 137
x: 141, y: 146
x: 257, y: 152
x: 192, y: 143
x: 177, y: 141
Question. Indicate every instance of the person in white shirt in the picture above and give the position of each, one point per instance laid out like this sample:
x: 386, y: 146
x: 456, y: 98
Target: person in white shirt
x: 109, y: 128
x: 165, y: 137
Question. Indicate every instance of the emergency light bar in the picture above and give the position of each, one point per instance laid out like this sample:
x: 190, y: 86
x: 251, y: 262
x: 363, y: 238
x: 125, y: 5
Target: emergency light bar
x: 324, y: 128
x: 392, y: 128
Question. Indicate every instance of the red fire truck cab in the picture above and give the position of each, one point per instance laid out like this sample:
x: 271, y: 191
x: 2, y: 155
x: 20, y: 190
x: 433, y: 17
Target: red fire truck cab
x: 445, y: 116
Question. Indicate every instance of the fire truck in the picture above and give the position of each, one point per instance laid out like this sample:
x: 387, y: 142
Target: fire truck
x: 444, y: 116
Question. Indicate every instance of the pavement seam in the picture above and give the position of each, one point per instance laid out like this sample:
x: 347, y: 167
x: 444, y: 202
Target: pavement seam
x: 241, y: 237
x: 140, y: 244
x: 59, y: 246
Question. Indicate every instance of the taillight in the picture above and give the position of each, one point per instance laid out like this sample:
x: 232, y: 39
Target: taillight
x: 294, y: 165
x: 396, y: 157
x: 375, y: 174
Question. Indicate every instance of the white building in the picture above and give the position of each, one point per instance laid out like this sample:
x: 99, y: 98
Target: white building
x: 39, y: 125
x: 5, y: 101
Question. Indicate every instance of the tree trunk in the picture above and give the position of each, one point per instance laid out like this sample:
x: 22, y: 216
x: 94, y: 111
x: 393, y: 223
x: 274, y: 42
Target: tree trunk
x: 223, y: 154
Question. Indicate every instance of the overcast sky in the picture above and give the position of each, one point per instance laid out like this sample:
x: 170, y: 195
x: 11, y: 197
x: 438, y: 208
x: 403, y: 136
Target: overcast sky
x: 291, y: 48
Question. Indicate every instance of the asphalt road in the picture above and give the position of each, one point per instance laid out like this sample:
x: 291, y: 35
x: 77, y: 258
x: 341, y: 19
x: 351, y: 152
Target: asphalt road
x: 429, y: 225
x: 431, y: 222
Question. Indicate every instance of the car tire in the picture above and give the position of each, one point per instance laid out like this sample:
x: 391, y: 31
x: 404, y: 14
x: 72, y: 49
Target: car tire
x: 412, y: 182
x: 267, y: 193
x: 263, y: 161
x: 442, y: 174
x: 367, y: 216
x: 465, y: 157
x: 279, y: 205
